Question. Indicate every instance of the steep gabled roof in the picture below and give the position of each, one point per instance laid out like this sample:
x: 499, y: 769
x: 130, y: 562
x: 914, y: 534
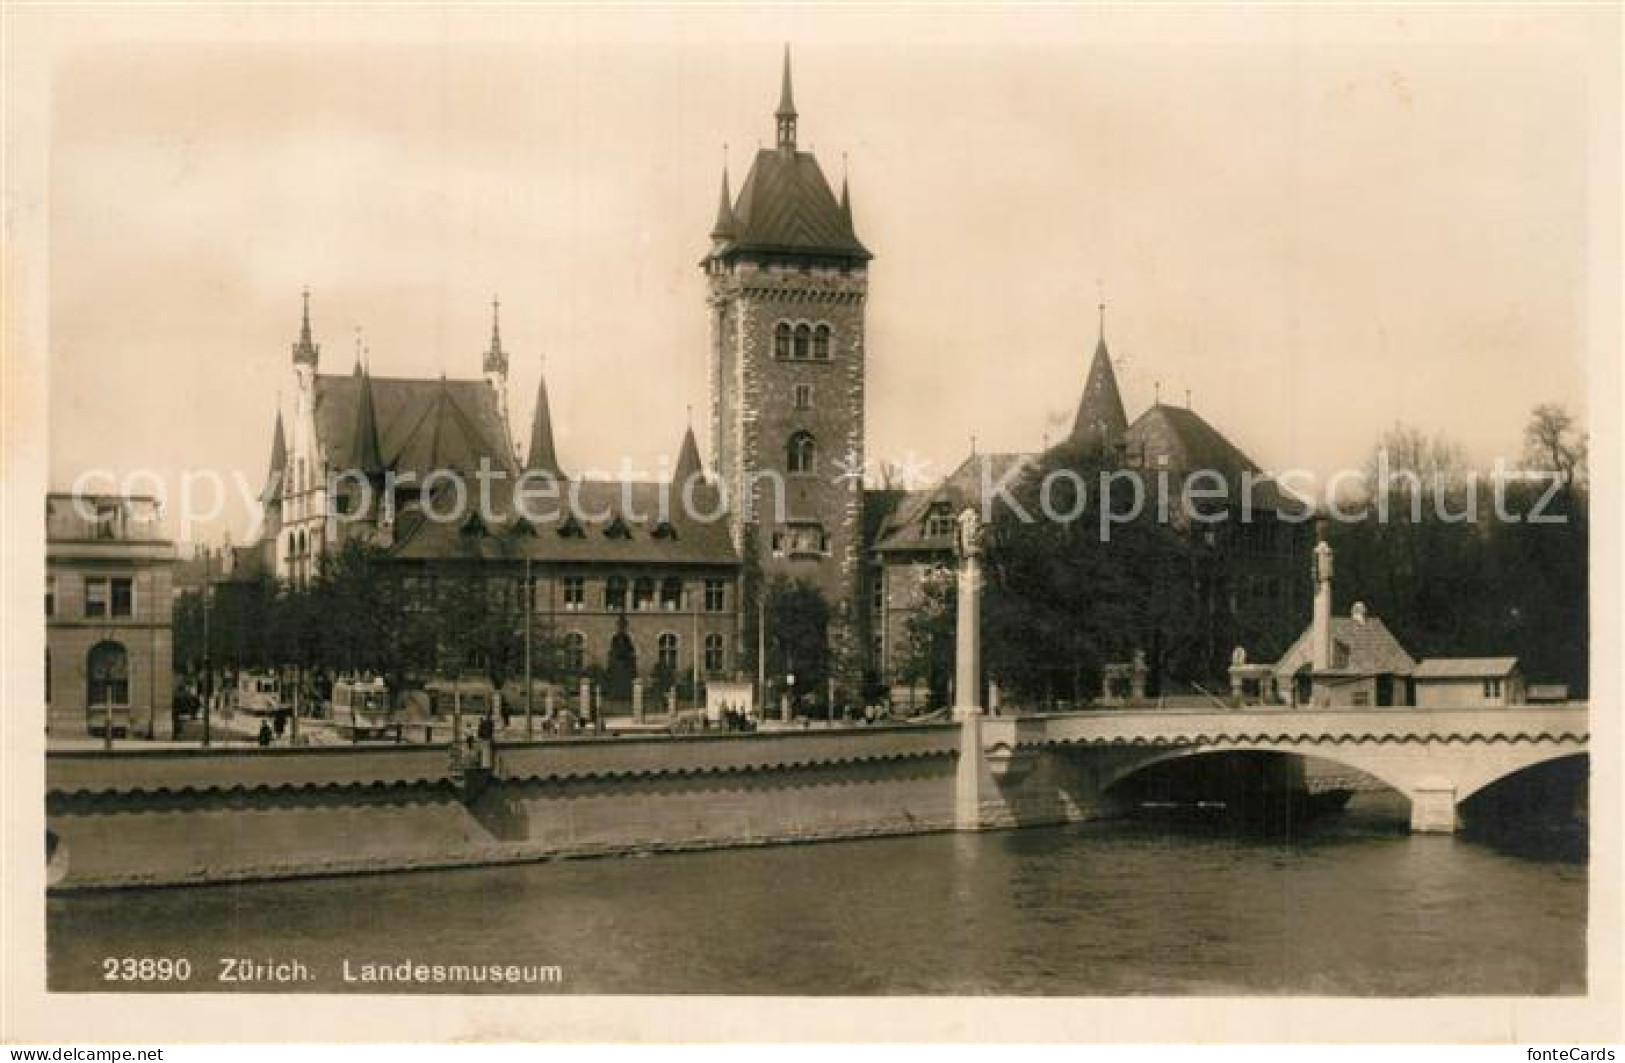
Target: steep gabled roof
x: 423, y: 425
x: 905, y: 528
x: 786, y: 207
x: 1177, y: 439
x: 641, y: 506
x: 1359, y: 648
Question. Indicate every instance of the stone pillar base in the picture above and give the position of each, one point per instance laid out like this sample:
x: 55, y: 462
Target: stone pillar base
x: 972, y: 780
x: 1433, y: 808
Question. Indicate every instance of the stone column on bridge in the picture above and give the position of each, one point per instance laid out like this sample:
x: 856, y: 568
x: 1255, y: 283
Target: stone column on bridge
x: 973, y: 778
x: 968, y: 629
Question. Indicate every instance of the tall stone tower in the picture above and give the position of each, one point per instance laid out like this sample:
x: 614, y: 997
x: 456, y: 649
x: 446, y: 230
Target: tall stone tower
x: 787, y: 284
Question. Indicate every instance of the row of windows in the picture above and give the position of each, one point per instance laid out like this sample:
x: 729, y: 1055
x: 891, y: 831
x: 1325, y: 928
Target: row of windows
x: 668, y: 650
x: 617, y: 594
x: 802, y: 342
x: 105, y: 596
x: 801, y: 540
x: 299, y: 545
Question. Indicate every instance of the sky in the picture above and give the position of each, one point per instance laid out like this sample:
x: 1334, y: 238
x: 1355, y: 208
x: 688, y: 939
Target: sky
x: 1314, y: 226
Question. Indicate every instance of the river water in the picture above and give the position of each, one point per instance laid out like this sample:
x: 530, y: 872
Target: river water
x: 1351, y: 906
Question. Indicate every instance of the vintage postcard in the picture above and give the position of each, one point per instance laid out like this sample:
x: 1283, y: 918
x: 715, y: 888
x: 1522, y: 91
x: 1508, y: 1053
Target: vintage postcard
x: 1102, y: 522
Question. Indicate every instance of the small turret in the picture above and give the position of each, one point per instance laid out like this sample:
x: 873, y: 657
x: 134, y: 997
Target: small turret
x: 305, y: 352
x: 542, y: 457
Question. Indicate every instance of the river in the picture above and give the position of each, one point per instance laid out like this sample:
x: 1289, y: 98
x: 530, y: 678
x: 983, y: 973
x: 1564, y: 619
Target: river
x: 1351, y: 906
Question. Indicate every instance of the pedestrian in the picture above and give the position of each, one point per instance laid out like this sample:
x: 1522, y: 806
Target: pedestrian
x: 280, y: 720
x: 265, y: 733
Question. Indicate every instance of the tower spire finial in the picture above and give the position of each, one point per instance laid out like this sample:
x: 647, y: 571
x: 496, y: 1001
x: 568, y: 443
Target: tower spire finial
x: 786, y: 114
x: 495, y: 362
x: 305, y: 352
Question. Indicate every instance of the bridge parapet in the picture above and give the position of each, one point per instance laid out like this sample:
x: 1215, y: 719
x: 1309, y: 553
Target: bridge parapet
x: 1436, y: 757
x: 1203, y: 726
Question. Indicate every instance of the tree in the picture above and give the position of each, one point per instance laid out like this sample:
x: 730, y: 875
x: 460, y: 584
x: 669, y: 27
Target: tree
x: 1062, y: 600
x: 798, y: 621
x: 1553, y: 443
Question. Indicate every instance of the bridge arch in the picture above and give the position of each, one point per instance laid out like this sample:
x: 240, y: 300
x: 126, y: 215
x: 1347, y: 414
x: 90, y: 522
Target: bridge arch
x: 1367, y: 765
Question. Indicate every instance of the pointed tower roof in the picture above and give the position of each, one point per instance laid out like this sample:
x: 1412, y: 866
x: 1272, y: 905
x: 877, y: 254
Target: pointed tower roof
x: 542, y: 457
x: 279, y: 462
x: 279, y: 447
x: 305, y: 350
x: 1100, y: 421
x: 787, y: 101
x: 846, y: 202
x: 723, y: 229
x: 364, y: 453
x: 688, y: 459
x: 496, y: 359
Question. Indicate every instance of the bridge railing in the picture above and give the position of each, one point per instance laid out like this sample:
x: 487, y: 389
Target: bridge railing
x: 1189, y: 725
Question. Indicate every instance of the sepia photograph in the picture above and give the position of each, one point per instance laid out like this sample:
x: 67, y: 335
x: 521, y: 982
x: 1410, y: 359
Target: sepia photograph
x: 1020, y: 505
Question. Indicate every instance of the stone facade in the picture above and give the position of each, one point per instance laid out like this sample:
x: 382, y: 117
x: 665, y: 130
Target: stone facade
x: 802, y: 523
x: 109, y: 644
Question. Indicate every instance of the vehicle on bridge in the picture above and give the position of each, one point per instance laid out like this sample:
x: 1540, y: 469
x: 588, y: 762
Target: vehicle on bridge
x: 259, y: 693
x: 361, y: 710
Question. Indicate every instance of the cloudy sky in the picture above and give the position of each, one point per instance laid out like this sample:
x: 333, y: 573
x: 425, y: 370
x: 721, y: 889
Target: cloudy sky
x: 1316, y: 227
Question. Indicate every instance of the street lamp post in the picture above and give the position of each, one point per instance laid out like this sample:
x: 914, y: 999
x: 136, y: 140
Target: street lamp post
x: 530, y: 607
x: 208, y: 672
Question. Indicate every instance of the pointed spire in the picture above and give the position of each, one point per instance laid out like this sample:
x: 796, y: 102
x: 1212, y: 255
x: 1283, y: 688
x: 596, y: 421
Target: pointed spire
x: 279, y: 461
x: 279, y: 447
x: 846, y: 197
x: 542, y: 457
x: 786, y: 114
x: 1101, y: 421
x: 725, y: 223
x: 305, y: 352
x: 688, y: 459
x: 496, y: 359
x: 364, y: 453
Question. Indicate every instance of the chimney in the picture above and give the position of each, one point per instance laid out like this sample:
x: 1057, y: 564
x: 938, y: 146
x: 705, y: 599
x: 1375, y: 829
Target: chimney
x: 1320, y: 637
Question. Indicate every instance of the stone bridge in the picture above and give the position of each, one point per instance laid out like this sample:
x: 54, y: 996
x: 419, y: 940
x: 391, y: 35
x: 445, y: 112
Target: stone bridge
x: 1018, y: 769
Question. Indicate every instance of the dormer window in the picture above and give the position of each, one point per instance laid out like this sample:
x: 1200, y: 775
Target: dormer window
x: 939, y: 521
x: 617, y: 529
x: 570, y: 528
x: 664, y: 530
x: 522, y: 527
x: 473, y: 525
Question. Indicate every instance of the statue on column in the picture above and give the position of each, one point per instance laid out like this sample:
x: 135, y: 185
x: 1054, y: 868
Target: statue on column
x: 968, y: 535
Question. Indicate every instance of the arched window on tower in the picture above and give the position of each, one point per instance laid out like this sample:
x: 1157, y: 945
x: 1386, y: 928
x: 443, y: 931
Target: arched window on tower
x: 781, y: 340
x: 820, y: 343
x: 801, y: 453
x: 803, y: 342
